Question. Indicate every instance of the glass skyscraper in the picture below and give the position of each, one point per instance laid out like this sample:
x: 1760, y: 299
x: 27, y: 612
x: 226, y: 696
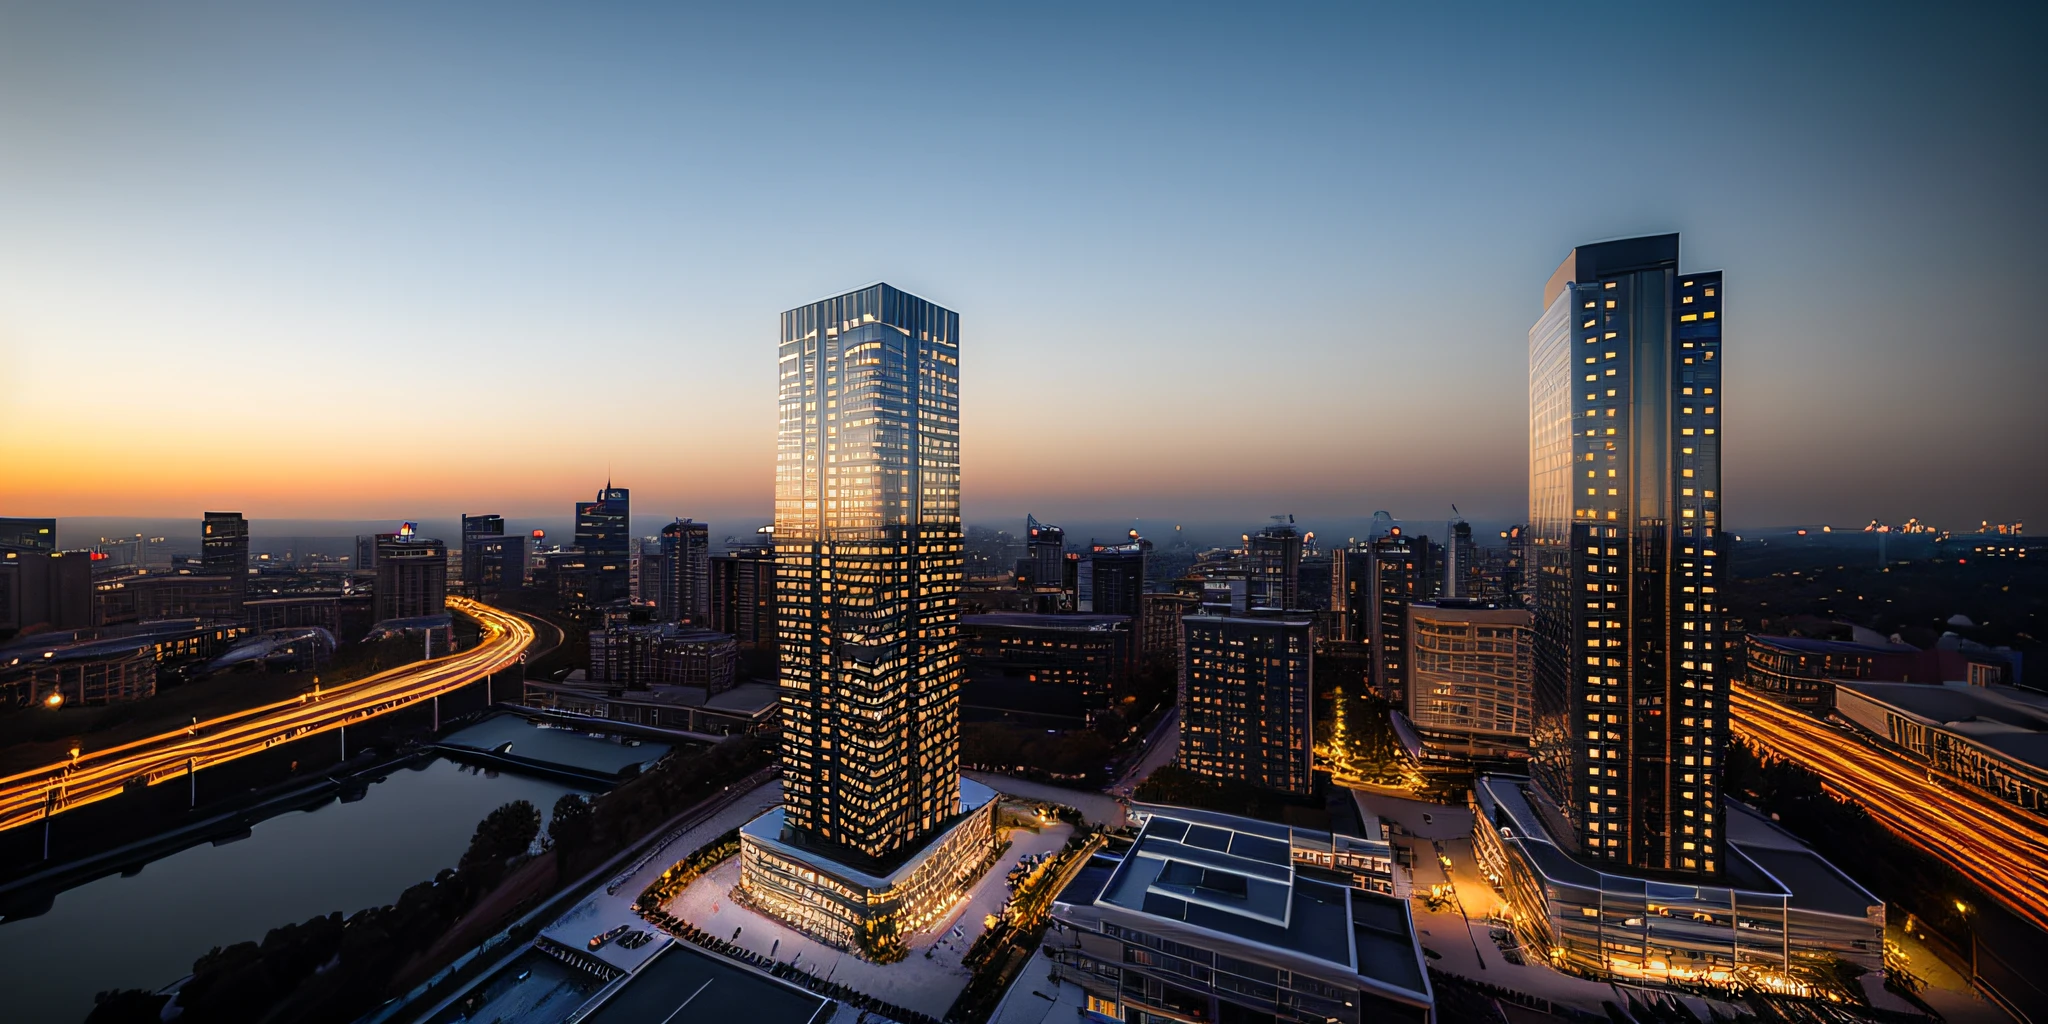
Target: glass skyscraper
x: 1624, y: 503
x: 869, y: 566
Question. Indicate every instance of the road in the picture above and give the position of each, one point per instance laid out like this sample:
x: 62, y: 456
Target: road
x: 1997, y: 845
x: 98, y: 774
x: 1160, y: 747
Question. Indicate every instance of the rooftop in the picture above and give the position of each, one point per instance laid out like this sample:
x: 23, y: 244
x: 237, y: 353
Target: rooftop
x: 1809, y: 645
x: 1235, y: 878
x: 681, y: 982
x: 1031, y: 620
x: 2009, y: 721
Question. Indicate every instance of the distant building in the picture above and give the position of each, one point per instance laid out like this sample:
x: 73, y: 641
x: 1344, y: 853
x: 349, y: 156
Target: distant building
x: 1470, y: 667
x: 1273, y: 568
x: 1159, y: 625
x: 493, y: 561
x: 1117, y: 582
x: 1517, y: 584
x: 1460, y: 562
x: 1213, y: 917
x: 106, y: 665
x: 366, y: 554
x: 1803, y: 672
x: 412, y: 576
x: 743, y: 594
x: 1993, y: 737
x: 747, y: 707
x: 28, y: 534
x: 51, y: 589
x: 604, y: 537
x: 1246, y: 688
x: 224, y: 544
x: 1398, y: 567
x: 347, y: 616
x: 685, y: 572
x: 1350, y: 593
x: 666, y: 654
x: 1088, y: 654
x: 149, y: 596
x: 1042, y: 574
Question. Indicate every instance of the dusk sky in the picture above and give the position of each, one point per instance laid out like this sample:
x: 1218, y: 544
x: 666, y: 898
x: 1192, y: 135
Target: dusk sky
x: 367, y: 260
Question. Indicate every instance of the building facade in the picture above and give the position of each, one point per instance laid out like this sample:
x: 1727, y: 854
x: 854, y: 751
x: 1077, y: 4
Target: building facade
x: 1272, y: 568
x: 28, y: 534
x: 1993, y: 737
x: 1397, y: 567
x: 1246, y: 700
x: 1625, y: 498
x: 869, y: 568
x: 493, y: 561
x: 685, y: 593
x: 743, y: 593
x: 412, y: 576
x: 604, y: 535
x: 52, y: 589
x: 1088, y: 653
x: 1470, y: 696
x: 1042, y: 573
x: 665, y: 654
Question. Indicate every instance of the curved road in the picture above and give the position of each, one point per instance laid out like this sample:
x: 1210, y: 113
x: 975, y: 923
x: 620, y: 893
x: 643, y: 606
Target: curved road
x: 99, y: 774
x: 1996, y: 844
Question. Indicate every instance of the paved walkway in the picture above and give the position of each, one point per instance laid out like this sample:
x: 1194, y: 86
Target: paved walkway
x: 928, y: 981
x: 1097, y: 808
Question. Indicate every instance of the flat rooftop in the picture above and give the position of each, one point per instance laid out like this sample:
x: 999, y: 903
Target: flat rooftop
x: 1033, y: 620
x: 1235, y: 877
x: 749, y: 699
x: 683, y: 983
x: 1767, y: 860
x: 2009, y: 721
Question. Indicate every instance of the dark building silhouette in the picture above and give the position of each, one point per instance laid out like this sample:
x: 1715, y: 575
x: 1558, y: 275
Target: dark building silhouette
x: 493, y: 561
x: 1043, y: 574
x: 412, y: 575
x: 28, y: 534
x: 604, y: 536
x: 685, y: 593
x: 1273, y: 568
x: 743, y: 593
x: 49, y: 589
x: 1245, y: 699
x: 1398, y: 574
x: 224, y: 547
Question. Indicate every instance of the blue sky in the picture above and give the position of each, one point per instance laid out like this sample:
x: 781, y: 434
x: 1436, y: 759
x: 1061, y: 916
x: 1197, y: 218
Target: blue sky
x: 1212, y: 263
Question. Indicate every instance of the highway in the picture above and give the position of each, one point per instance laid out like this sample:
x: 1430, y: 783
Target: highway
x: 98, y: 774
x: 1995, y: 844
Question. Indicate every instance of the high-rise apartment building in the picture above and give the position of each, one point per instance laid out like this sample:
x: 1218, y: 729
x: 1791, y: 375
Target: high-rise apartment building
x: 1042, y: 573
x: 1469, y: 693
x: 1117, y: 582
x: 1397, y: 568
x: 224, y: 549
x: 685, y: 593
x: 1460, y: 561
x: 493, y: 561
x: 869, y: 567
x: 412, y: 575
x: 604, y: 535
x: 1245, y: 699
x: 1624, y: 504
x: 743, y: 591
x: 1273, y: 568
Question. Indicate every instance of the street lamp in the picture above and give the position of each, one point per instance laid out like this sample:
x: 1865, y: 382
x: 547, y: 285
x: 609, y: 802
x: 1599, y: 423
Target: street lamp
x: 54, y: 701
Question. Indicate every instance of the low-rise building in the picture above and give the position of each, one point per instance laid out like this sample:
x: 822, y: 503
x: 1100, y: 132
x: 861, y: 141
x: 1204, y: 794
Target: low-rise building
x: 748, y: 707
x: 665, y: 654
x: 109, y: 664
x: 1777, y: 919
x: 1090, y: 654
x: 1993, y: 737
x: 1213, y: 917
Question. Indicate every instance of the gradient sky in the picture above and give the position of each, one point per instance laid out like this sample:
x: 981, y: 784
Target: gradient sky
x: 368, y: 260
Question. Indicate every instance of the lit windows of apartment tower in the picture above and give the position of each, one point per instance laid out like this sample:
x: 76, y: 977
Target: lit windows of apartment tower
x: 1397, y: 568
x: 1273, y: 567
x: 1245, y: 699
x: 1624, y: 504
x: 685, y: 591
x: 869, y: 569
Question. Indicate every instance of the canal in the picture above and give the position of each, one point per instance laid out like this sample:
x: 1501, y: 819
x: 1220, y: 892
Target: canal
x: 144, y: 930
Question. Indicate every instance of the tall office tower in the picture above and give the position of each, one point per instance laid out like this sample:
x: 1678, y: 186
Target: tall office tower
x: 493, y: 561
x: 1351, y: 593
x: 1516, y: 581
x: 743, y: 591
x: 412, y: 575
x: 1245, y: 699
x: 604, y: 535
x: 1460, y: 559
x: 1396, y: 564
x: 1273, y: 567
x: 685, y: 572
x: 366, y: 554
x: 28, y: 534
x: 1624, y: 502
x: 874, y: 831
x: 1042, y: 574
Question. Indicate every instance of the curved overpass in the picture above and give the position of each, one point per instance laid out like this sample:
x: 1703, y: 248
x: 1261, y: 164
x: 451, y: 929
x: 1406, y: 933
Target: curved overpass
x: 98, y: 774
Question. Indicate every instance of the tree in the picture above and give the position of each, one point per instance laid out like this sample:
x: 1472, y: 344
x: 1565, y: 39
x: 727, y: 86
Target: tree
x: 569, y: 824
x: 504, y: 833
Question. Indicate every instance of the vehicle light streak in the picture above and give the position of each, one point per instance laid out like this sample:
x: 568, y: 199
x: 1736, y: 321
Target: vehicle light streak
x: 1999, y: 846
x: 96, y: 775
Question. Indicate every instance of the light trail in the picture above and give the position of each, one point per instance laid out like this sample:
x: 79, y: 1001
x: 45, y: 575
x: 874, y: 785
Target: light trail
x: 1999, y: 846
x: 97, y: 775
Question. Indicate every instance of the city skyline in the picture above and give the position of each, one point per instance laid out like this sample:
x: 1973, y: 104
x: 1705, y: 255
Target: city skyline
x: 1177, y: 213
